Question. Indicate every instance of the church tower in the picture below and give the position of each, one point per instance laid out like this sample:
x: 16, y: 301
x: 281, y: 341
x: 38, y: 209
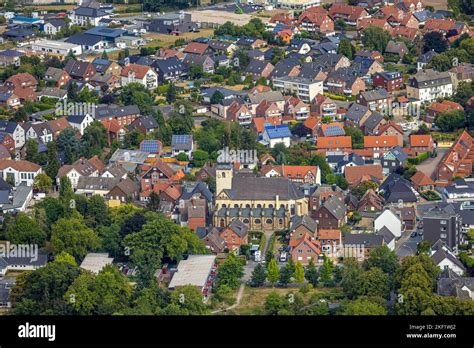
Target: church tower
x: 224, y: 173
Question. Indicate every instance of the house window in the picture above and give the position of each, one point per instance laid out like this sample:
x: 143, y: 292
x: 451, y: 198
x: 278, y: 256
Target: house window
x: 257, y: 221
x: 246, y: 221
x: 269, y: 221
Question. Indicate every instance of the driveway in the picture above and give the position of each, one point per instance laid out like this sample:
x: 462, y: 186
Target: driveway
x: 407, y: 246
x: 429, y: 166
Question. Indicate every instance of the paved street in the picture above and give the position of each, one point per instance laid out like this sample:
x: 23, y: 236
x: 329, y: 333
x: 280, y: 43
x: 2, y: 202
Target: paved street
x: 407, y: 246
x: 428, y: 167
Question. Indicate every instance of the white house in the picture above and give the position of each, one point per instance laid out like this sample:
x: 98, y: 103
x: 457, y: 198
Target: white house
x: 19, y: 172
x: 18, y: 264
x: 429, y: 85
x: 135, y: 73
x: 389, y: 219
x: 80, y: 122
x: 84, y: 16
x: 81, y: 168
x: 38, y: 130
x: 53, y: 27
x: 444, y: 258
x: 15, y: 130
x: 273, y: 135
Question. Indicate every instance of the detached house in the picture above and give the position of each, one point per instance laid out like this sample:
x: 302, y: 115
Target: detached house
x: 90, y: 15
x: 171, y: 69
x: 349, y: 14
x: 421, y: 182
x: 142, y: 74
x: 15, y: 130
x: 19, y: 172
x: 205, y: 62
x: 235, y: 235
x: 259, y: 68
x: 80, y: 70
x: 59, y: 76
x: 81, y: 168
x: 80, y: 122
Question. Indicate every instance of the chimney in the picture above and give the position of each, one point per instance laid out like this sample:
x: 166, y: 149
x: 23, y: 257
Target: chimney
x: 334, y: 187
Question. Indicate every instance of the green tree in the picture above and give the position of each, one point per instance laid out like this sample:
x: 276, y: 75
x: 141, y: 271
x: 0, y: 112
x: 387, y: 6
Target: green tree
x: 351, y: 278
x: 325, y: 273
x: 72, y: 236
x: 195, y: 71
x: 24, y: 230
x: 65, y: 188
x: 274, y: 303
x: 345, y: 48
x: 273, y: 272
x: 451, y: 120
x: 230, y: 272
x: 217, y: 97
x: 375, y: 283
x: 436, y: 41
x: 357, y: 137
x: 53, y: 162
x: 43, y: 183
x: 65, y: 257
x: 32, y: 150
x: 383, y: 258
x: 375, y: 38
x: 286, y: 273
x: 41, y: 292
x: 258, y: 276
x: 187, y: 300
x: 311, y: 273
x: 363, y: 306
x: 299, y: 273
x: 171, y: 94
x: 153, y: 202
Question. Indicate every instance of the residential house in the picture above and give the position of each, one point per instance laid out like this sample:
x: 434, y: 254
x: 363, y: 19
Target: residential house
x: 331, y: 214
x: 80, y: 122
x: 306, y: 250
x: 171, y: 23
x: 357, y: 115
x: 349, y: 14
x: 124, y: 115
x: 389, y: 80
x: 145, y: 124
x: 87, y: 43
x: 296, y: 108
x: 458, y: 161
x: 422, y: 182
x: 334, y: 144
x: 360, y: 245
x: 273, y: 135
x: 38, y: 130
x: 79, y: 70
x: 429, y: 85
x: 393, y: 160
x: 235, y: 235
x: 170, y: 69
x: 380, y: 144
x: 19, y: 172
x: 59, y: 76
x: 53, y: 27
x: 126, y: 190
x: 105, y: 66
x: 91, y: 14
x: 15, y: 130
x: 451, y: 284
x: 358, y: 174
x: 330, y: 240
x: 301, y: 226
x: 376, y: 99
x: 310, y: 21
x: 392, y: 128
x: 10, y: 58
x: 259, y: 68
x: 396, y: 49
x: 205, y: 62
x: 436, y: 109
x: 344, y: 82
x: 58, y: 125
x: 142, y: 74
x: 324, y: 106
x: 398, y: 190
x: 304, y: 89
x: 182, y: 144
x: 420, y: 143
x: 391, y: 220
x: 303, y: 174
x: 81, y: 168
x: 9, y: 100
x: 444, y: 257
x: 424, y: 59
x: 370, y: 202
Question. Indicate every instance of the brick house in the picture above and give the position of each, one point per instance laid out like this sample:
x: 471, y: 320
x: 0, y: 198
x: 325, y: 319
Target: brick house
x: 235, y: 235
x: 420, y: 144
x: 390, y: 80
x: 331, y: 214
x: 421, y: 182
x: 305, y: 250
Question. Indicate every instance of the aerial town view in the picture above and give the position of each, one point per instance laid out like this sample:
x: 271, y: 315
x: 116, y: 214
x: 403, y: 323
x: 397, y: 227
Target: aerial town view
x: 264, y: 158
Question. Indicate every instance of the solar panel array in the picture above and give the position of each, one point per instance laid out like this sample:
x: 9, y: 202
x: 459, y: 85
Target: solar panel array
x: 152, y: 146
x: 181, y: 139
x: 332, y: 131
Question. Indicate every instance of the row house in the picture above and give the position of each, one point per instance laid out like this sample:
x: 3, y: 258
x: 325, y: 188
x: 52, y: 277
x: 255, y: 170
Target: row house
x: 420, y: 143
x: 297, y: 109
x: 315, y: 22
x: 334, y: 145
x: 458, y: 161
x: 124, y: 115
x: 380, y: 144
x: 259, y: 68
x: 239, y: 112
x: 324, y: 106
x: 349, y: 14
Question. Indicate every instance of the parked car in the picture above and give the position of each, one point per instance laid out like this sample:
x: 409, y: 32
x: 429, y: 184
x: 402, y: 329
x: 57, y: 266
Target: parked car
x: 413, y: 235
x: 283, y: 257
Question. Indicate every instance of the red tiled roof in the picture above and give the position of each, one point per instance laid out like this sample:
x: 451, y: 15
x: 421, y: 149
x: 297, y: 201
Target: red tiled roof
x: 380, y: 141
x: 334, y: 142
x: 357, y: 174
x: 417, y: 140
x: 23, y: 166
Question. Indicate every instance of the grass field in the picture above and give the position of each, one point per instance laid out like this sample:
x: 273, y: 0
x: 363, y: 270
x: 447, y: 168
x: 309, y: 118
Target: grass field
x: 164, y: 40
x: 253, y: 301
